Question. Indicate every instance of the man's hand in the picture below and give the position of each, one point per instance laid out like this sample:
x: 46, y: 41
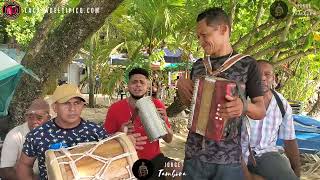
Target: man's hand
x: 138, y: 140
x: 232, y: 109
x: 168, y: 137
x: 163, y: 113
x: 127, y: 127
x: 185, y: 90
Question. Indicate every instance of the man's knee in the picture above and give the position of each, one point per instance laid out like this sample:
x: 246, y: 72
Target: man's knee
x: 273, y: 166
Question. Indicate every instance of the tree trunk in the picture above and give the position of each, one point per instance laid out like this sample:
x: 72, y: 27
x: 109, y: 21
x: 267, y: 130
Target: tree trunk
x: 283, y: 37
x: 315, y: 111
x: 90, y: 77
x: 233, y: 11
x: 256, y: 22
x: 57, y: 51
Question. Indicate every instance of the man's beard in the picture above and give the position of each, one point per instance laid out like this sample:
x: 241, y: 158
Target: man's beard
x: 136, y: 97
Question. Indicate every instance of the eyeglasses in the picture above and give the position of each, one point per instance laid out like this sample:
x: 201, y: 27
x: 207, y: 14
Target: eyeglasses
x: 38, y: 117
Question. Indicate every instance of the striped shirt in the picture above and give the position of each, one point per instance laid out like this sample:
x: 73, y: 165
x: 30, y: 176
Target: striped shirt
x: 264, y: 133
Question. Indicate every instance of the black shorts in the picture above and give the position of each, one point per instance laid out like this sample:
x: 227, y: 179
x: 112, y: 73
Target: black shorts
x: 158, y: 163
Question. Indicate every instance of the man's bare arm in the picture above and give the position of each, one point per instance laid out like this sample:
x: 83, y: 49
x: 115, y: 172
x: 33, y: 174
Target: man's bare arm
x: 8, y: 173
x: 24, y: 167
x: 169, y: 136
x: 292, y: 152
x: 183, y: 97
x: 256, y: 109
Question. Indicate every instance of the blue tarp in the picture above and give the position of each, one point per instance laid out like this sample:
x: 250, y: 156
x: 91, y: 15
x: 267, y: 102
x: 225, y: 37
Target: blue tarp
x: 307, y: 132
x: 306, y: 120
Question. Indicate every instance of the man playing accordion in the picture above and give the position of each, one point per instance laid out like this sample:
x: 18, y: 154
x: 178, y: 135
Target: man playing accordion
x: 219, y: 159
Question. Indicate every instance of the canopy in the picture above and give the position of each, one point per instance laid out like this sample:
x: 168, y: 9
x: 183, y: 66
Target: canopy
x: 10, y: 73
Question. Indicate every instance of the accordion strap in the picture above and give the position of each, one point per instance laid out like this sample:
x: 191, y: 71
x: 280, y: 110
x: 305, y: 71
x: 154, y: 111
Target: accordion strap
x: 228, y: 63
x: 247, y: 127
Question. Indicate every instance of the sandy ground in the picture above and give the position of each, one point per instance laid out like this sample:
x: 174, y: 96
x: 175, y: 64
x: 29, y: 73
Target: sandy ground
x: 175, y: 150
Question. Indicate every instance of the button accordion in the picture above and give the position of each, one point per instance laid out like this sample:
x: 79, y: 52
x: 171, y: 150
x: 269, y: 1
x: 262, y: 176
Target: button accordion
x: 208, y: 97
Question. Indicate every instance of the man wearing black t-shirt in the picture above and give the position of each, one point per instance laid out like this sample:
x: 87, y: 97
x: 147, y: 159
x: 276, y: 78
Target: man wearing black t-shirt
x: 220, y: 160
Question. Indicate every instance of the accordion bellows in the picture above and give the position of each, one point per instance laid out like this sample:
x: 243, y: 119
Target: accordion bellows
x: 150, y: 118
x: 208, y: 96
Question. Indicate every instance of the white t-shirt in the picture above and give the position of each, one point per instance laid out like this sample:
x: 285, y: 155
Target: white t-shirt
x: 12, y: 147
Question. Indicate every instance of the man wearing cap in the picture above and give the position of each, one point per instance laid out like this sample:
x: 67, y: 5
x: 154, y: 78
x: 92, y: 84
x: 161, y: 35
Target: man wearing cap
x: 37, y: 114
x: 67, y: 129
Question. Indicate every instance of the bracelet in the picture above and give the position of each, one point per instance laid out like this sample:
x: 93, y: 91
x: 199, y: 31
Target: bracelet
x: 243, y: 99
x: 245, y: 106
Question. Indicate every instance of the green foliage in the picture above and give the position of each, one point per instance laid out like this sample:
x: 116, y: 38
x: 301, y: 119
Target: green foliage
x: 111, y: 80
x: 23, y: 28
x: 73, y: 3
x: 157, y: 56
x: 308, y: 42
x: 149, y: 25
x: 143, y: 27
x: 301, y: 86
x: 140, y: 61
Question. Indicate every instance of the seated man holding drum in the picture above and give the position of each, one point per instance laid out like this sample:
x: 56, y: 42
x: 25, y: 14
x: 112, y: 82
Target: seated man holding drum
x: 66, y: 130
x: 123, y: 116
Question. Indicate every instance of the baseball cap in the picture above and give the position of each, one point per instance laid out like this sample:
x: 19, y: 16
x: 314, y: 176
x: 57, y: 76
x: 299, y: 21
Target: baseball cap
x: 66, y: 92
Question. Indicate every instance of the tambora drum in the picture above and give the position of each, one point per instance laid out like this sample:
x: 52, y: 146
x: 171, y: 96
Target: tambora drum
x: 111, y: 158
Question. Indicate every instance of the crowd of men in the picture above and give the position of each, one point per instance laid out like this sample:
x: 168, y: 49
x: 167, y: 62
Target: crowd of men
x: 238, y: 156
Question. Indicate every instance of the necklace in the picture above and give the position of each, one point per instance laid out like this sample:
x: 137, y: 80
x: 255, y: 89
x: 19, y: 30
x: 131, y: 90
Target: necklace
x: 208, y: 65
x: 133, y: 114
x: 129, y: 107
